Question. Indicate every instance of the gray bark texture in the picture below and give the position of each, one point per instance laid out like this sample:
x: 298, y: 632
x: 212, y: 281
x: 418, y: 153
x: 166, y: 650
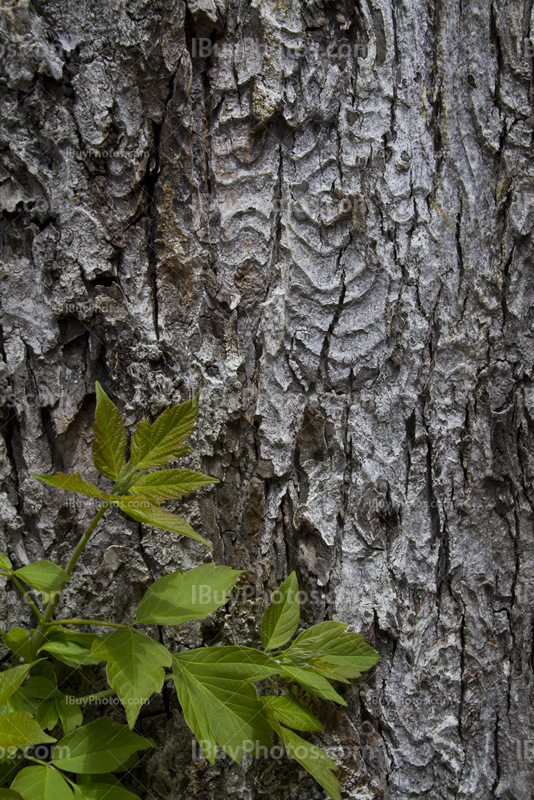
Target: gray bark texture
x: 320, y: 215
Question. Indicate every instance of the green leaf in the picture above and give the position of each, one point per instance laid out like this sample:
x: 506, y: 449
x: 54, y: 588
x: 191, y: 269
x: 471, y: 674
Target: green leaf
x: 317, y: 636
x: 103, y: 791
x: 129, y: 764
x: 281, y: 617
x: 293, y: 714
x: 5, y: 563
x: 143, y: 511
x: 313, y: 682
x: 70, y: 647
x: 231, y: 661
x: 11, y: 679
x: 18, y: 729
x: 37, y: 696
x: 42, y: 783
x: 18, y: 641
x: 71, y: 483
x: 46, y: 714
x: 9, y: 794
x: 30, y: 698
x: 109, y: 441
x: 331, y: 650
x: 44, y: 669
x: 159, y: 444
x: 61, y: 634
x: 44, y: 576
x: 69, y: 713
x: 134, y: 667
x: 39, y: 687
x: 97, y: 747
x: 70, y: 653
x: 169, y: 484
x: 314, y: 761
x: 182, y: 596
x: 219, y: 706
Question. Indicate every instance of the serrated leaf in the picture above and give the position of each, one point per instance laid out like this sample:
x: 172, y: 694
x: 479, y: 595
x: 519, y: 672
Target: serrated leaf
x: 314, y: 760
x: 143, y: 511
x: 169, y: 484
x: 45, y: 576
x: 109, y: 441
x: 313, y: 682
x: 318, y: 635
x: 70, y: 714
x: 134, y: 667
x: 193, y: 594
x: 18, y: 729
x: 103, y: 791
x: 293, y: 714
x: 5, y: 563
x: 230, y: 661
x: 11, y: 679
x: 18, y: 641
x: 159, y: 444
x: 331, y: 650
x: 281, y: 617
x: 71, y: 483
x: 220, y: 708
x: 97, y: 747
x: 42, y: 783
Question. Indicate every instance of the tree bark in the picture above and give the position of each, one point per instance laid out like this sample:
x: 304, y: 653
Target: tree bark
x: 319, y: 214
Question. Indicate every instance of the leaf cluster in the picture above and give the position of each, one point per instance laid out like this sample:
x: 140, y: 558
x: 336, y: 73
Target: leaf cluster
x: 216, y: 686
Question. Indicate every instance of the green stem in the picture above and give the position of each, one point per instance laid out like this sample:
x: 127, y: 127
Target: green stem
x: 27, y: 597
x: 77, y: 553
x: 52, y: 766
x: 102, y: 622
x: 38, y: 637
x: 90, y: 697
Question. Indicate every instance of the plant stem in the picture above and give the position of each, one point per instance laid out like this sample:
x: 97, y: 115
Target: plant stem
x: 52, y: 766
x: 90, y: 697
x: 78, y: 551
x: 38, y: 637
x: 102, y: 622
x: 27, y: 597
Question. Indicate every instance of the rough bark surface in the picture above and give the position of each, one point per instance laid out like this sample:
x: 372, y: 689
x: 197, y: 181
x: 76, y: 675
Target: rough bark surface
x: 324, y: 222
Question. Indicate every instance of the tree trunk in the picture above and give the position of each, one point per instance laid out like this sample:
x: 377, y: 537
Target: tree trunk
x: 319, y: 214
